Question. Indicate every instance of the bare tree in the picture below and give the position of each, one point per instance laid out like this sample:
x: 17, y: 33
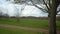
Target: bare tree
x: 19, y: 11
x: 51, y: 9
x: 51, y: 6
x: 46, y: 3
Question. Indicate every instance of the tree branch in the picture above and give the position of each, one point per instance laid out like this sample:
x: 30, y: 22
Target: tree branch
x: 46, y: 5
x: 44, y: 10
x: 57, y: 11
x: 49, y: 4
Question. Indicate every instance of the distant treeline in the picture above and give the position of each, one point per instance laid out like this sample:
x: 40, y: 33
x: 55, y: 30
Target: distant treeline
x: 30, y: 17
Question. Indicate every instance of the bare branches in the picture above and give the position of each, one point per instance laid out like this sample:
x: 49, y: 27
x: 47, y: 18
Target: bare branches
x: 44, y: 10
x: 46, y: 5
x: 58, y: 11
x: 49, y: 4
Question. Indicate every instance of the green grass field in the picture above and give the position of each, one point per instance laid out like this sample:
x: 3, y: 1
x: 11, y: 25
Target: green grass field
x: 27, y: 22
x: 5, y: 30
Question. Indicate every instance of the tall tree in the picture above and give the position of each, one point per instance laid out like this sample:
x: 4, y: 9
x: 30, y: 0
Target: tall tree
x: 19, y: 11
x: 52, y: 17
x: 51, y: 6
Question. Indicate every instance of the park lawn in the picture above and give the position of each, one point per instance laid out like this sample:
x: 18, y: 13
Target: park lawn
x: 5, y: 30
x: 27, y: 22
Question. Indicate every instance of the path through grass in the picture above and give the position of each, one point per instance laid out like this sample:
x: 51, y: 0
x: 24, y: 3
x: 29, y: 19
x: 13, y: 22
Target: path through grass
x: 5, y: 30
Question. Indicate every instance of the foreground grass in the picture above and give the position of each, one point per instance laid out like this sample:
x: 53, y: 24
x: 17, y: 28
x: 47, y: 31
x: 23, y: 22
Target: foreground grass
x: 4, y: 30
x: 27, y: 22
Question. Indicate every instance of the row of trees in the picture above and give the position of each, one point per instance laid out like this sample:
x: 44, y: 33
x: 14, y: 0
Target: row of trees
x: 3, y: 15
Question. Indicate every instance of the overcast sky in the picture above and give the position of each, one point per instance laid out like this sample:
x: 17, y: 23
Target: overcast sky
x: 12, y: 9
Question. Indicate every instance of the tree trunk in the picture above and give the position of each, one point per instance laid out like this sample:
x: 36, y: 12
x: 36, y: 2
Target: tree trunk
x: 52, y: 23
x: 52, y: 18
